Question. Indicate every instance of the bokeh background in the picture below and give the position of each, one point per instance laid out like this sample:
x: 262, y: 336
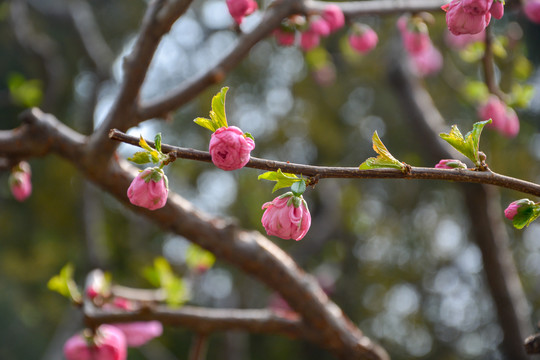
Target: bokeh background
x: 396, y: 255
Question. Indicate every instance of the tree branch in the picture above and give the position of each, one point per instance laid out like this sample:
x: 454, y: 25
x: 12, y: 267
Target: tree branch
x: 379, y: 7
x: 321, y: 172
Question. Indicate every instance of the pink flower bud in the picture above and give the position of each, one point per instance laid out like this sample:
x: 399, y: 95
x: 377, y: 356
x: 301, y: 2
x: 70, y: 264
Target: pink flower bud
x: 309, y: 40
x: 450, y: 164
x: 497, y: 9
x: 20, y: 181
x: 503, y: 118
x: 140, y: 332
x: 230, y: 148
x: 149, y: 189
x: 287, y: 217
x: 240, y: 8
x: 532, y: 10
x: 511, y: 211
x: 334, y: 17
x: 461, y: 22
x: 476, y: 7
x: 283, y: 37
x: 415, y: 36
x: 108, y: 343
x: 427, y: 62
x: 319, y: 26
x: 363, y: 39
x: 462, y: 41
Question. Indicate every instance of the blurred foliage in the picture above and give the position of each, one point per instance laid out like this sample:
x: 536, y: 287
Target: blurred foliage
x: 395, y: 255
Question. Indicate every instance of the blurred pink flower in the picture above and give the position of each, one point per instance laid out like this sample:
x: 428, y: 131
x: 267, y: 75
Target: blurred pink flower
x: 427, y: 62
x: 230, y: 148
x: 415, y: 36
x: 462, y: 41
x: 241, y: 8
x: 309, y: 40
x: 149, y: 189
x: 108, y: 343
x: 284, y: 37
x: 363, y: 38
x: 20, y: 181
x: 334, y: 17
x: 503, y: 118
x: 319, y: 26
x: 532, y: 10
x: 140, y: 332
x: 287, y: 217
x: 497, y: 9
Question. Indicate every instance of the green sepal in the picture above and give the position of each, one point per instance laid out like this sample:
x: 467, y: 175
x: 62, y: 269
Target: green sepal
x: 525, y: 215
x: 246, y: 134
x: 198, y: 257
x: 298, y: 187
x: 218, y: 119
x: 64, y: 284
x: 384, y: 160
x: 154, y: 155
x: 468, y: 145
x: 141, y: 157
x: 282, y: 179
x: 157, y: 142
x: 161, y: 275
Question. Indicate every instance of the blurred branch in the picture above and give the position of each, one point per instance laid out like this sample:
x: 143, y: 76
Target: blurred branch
x: 198, y: 347
x: 250, y: 251
x: 378, y: 7
x: 485, y: 215
x: 191, y: 88
x: 488, y: 67
x: 532, y: 344
x: 321, y: 172
x: 159, y: 17
x: 43, y: 48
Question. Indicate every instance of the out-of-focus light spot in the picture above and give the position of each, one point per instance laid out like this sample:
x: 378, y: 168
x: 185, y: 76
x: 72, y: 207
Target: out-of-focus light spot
x: 217, y: 284
x: 215, y: 15
x: 402, y: 300
x: 448, y: 239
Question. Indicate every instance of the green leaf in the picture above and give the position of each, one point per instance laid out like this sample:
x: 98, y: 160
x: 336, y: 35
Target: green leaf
x: 27, y: 93
x: 522, y: 68
x: 384, y: 160
x: 526, y: 215
x: 246, y: 134
x: 218, y: 119
x: 205, y: 123
x: 298, y: 187
x: 157, y: 142
x: 161, y: 275
x: 468, y: 145
x: 282, y: 179
x: 476, y: 91
x: 521, y: 95
x: 141, y: 157
x: 144, y: 144
x: 197, y: 257
x: 64, y: 284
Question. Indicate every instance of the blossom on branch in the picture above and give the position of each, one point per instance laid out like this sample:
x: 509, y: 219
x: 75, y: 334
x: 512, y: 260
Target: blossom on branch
x: 230, y: 148
x: 471, y: 16
x: 503, y: 118
x: 149, y: 189
x: 287, y: 217
x: 108, y: 343
x: 363, y: 38
x: 20, y: 181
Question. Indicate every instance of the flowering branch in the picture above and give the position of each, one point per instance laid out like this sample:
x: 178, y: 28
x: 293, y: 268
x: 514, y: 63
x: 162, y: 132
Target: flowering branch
x: 321, y: 172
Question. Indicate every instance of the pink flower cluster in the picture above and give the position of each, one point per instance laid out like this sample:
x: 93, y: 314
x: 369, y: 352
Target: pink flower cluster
x: 503, y: 118
x: 330, y: 20
x: 363, y: 38
x: 471, y: 16
x: 230, y: 148
x: 241, y: 8
x: 426, y: 59
x: 20, y: 181
x: 532, y: 10
x: 149, y: 189
x: 287, y: 217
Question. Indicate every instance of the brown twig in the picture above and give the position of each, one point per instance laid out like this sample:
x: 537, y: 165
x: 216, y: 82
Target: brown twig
x: 321, y: 172
x: 198, y: 347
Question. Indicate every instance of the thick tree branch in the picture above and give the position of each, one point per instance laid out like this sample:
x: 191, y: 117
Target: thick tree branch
x: 321, y: 172
x: 379, y: 7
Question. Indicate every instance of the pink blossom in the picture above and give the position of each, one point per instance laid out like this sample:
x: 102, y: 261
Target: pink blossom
x: 309, y: 40
x: 503, y: 118
x: 325, y: 75
x: 149, y: 189
x: 427, y: 62
x: 513, y: 208
x: 461, y: 22
x: 415, y: 36
x: 108, y: 343
x: 334, y: 17
x: 284, y: 37
x: 230, y: 148
x: 476, y: 7
x: 287, y: 217
x: 140, y: 332
x: 363, y: 39
x: 319, y: 26
x: 497, y: 9
x: 462, y: 41
x: 532, y: 10
x: 20, y: 181
x: 450, y: 164
x: 240, y: 8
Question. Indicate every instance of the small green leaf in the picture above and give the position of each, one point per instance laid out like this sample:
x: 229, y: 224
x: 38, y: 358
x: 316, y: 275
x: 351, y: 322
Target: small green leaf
x: 218, y: 119
x: 197, y: 257
x: 476, y: 91
x: 246, y: 134
x: 526, y: 215
x: 144, y: 144
x: 64, y: 284
x: 468, y: 145
x: 141, y: 157
x: 157, y: 142
x: 298, y: 187
x: 384, y: 160
x: 205, y: 123
x: 282, y: 179
x: 25, y: 92
x: 161, y: 275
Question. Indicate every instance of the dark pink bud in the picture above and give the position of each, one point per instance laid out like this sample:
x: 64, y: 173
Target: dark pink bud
x: 334, y: 17
x: 287, y: 217
x: 532, y: 10
x: 230, y: 148
x: 20, y: 181
x: 497, y: 9
x: 319, y: 26
x: 283, y: 37
x: 309, y: 40
x: 511, y: 211
x: 240, y: 8
x: 363, y: 39
x: 450, y: 164
x: 108, y: 343
x: 414, y: 35
x: 149, y: 189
